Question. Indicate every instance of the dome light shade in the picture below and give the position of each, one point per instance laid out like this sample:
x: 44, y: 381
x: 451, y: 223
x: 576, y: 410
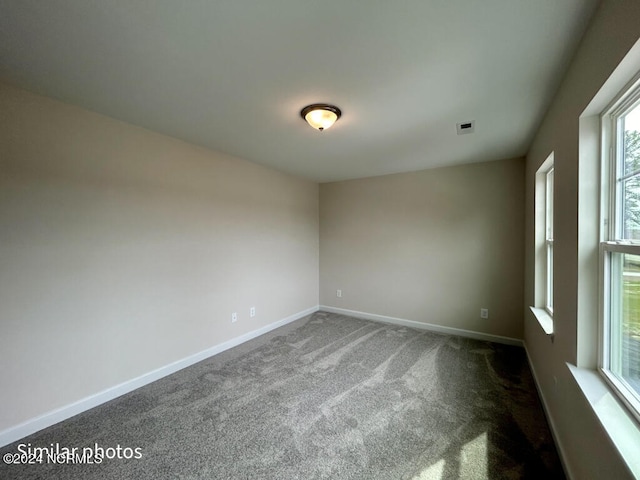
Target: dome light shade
x: 320, y: 115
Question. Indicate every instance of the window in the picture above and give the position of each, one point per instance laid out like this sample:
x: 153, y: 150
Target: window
x: 548, y: 220
x: 620, y: 249
x: 543, y: 309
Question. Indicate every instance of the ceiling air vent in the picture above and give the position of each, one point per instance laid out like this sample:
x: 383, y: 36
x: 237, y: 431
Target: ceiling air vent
x: 466, y: 127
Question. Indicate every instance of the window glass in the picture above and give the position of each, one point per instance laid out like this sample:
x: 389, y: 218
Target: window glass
x: 549, y: 240
x: 624, y: 329
x: 621, y: 250
x: 629, y: 155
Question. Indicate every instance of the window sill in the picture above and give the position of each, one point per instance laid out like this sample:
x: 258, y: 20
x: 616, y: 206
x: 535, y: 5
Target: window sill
x: 620, y: 426
x: 544, y: 319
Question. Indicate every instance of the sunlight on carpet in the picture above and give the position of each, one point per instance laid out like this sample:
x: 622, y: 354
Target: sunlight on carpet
x: 473, y: 462
x: 434, y: 472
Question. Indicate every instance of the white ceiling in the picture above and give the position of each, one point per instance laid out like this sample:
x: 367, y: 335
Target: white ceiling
x: 232, y: 75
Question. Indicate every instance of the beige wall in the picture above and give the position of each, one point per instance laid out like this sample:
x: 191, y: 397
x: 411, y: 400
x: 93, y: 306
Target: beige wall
x: 432, y: 246
x: 588, y: 452
x: 122, y: 250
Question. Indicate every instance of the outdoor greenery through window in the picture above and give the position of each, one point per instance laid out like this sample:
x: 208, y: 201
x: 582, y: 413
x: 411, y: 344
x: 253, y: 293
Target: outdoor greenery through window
x: 620, y: 359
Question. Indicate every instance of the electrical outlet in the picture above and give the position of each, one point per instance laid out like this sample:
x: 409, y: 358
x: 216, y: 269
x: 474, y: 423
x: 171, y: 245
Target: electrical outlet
x: 339, y: 293
x: 484, y: 313
x: 252, y: 312
x: 234, y: 317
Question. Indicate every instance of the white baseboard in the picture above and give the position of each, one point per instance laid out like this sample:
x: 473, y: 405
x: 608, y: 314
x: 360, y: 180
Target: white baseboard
x: 425, y: 326
x: 561, y: 451
x: 36, y: 424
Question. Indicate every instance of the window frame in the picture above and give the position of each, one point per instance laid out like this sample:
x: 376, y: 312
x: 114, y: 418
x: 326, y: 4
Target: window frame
x: 542, y: 308
x: 612, y: 242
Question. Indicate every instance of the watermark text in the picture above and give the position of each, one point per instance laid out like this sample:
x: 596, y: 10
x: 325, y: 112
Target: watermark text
x: 28, y: 454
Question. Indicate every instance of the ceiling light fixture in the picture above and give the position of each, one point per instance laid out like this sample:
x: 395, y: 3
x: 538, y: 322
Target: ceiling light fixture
x: 320, y: 115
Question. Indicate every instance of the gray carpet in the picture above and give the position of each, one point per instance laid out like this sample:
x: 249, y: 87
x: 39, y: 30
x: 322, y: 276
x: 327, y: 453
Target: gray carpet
x: 327, y: 396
